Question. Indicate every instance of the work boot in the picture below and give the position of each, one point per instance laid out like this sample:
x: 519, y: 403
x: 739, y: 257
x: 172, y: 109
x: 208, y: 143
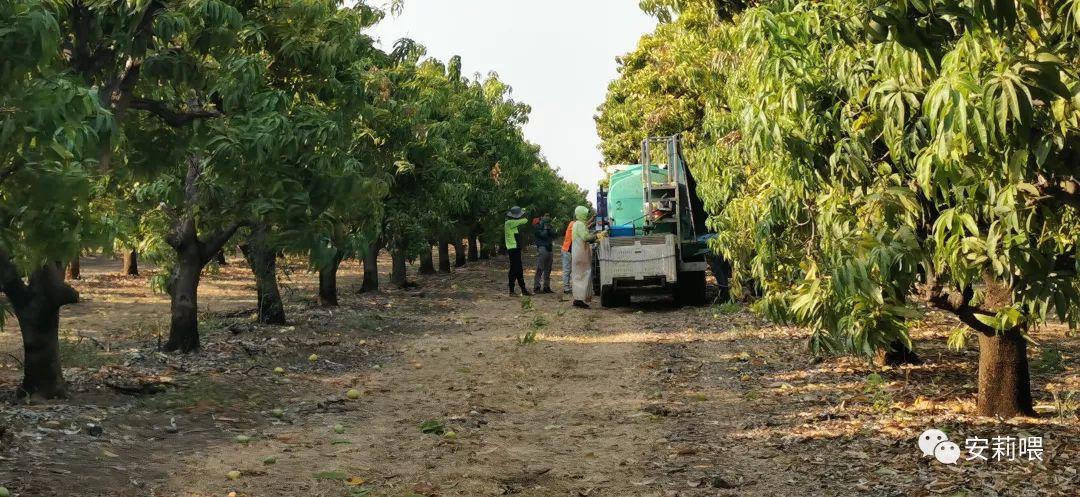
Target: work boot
x: 548, y: 290
x: 583, y: 305
x: 512, y: 293
x: 526, y: 293
x: 536, y: 289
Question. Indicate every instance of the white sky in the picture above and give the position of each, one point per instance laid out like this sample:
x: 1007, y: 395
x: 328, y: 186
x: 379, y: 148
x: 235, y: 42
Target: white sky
x: 557, y: 55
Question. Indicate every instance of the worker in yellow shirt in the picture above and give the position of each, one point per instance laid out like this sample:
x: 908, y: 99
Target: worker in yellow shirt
x: 515, y: 219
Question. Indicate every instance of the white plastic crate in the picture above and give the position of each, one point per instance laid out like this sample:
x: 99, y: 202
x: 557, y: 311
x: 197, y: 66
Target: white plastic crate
x: 637, y: 258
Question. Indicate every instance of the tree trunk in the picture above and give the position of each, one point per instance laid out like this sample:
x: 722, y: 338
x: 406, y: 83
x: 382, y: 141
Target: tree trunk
x: 42, y: 376
x: 37, y: 309
x: 459, y: 253
x: 502, y: 249
x: 328, y: 294
x: 444, y: 256
x: 131, y: 263
x: 262, y: 259
x: 1004, y: 379
x: 192, y: 255
x: 474, y: 247
x: 398, y: 275
x: 74, y: 269
x: 899, y: 354
x: 371, y: 268
x: 485, y: 253
x: 184, y: 292
x: 427, y: 266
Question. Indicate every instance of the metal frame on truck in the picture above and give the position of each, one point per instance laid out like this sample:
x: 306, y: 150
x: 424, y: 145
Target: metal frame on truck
x: 679, y: 177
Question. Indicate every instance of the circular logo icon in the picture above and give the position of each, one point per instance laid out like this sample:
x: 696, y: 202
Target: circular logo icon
x: 947, y: 452
x: 929, y: 439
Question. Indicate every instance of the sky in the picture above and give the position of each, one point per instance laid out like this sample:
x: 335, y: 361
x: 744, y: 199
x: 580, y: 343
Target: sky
x: 557, y: 55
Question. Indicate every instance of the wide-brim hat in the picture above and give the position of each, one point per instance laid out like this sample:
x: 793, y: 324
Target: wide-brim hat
x: 515, y: 212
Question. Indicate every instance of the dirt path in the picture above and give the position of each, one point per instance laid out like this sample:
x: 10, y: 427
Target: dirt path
x: 561, y: 416
x: 650, y: 400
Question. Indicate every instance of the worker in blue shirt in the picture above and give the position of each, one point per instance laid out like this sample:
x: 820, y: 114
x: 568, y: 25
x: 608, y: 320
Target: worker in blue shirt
x: 543, y: 237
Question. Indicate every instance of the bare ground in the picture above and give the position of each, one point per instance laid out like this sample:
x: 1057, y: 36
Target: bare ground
x: 651, y: 400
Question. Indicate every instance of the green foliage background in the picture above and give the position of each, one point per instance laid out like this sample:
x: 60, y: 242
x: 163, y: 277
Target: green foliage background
x: 860, y: 158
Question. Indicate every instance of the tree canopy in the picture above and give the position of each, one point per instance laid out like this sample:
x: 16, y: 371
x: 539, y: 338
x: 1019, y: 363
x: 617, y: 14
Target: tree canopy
x: 862, y: 159
x: 173, y: 127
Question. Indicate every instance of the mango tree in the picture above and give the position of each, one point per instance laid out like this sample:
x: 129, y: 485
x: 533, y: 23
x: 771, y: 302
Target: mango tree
x: 663, y: 85
x: 50, y: 132
x: 864, y: 157
x: 319, y: 56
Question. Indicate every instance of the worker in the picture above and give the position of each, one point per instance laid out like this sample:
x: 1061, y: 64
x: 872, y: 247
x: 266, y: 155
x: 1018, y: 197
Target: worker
x: 581, y: 251
x: 567, y: 261
x: 542, y: 238
x: 515, y: 219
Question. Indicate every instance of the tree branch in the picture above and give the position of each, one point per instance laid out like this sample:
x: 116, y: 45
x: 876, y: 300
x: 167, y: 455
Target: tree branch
x: 119, y: 91
x: 215, y: 242
x: 960, y: 305
x: 191, y: 186
x: 48, y: 282
x: 11, y: 282
x: 184, y: 223
x: 80, y: 25
x: 124, y: 83
x: 172, y: 117
x: 86, y: 61
x: 1064, y: 190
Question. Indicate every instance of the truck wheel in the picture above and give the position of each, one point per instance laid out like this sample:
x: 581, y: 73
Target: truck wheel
x: 609, y: 297
x: 690, y: 289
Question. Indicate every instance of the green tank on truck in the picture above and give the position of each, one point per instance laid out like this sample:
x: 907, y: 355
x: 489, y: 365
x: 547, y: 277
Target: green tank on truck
x: 626, y: 196
x: 654, y: 222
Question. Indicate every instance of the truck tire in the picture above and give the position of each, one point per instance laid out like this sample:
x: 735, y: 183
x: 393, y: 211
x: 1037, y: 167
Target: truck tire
x: 609, y: 297
x: 690, y: 289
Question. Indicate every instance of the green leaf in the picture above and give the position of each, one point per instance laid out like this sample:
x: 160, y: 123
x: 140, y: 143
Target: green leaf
x: 432, y: 427
x: 991, y: 321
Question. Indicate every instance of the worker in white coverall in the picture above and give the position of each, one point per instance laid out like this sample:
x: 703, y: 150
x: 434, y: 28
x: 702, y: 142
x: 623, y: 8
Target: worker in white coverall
x: 581, y: 253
